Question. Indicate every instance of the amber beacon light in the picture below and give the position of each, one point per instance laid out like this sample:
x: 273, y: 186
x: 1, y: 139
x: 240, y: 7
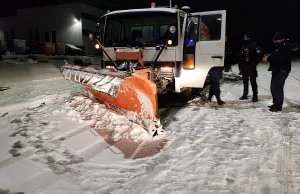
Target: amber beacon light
x: 189, y: 61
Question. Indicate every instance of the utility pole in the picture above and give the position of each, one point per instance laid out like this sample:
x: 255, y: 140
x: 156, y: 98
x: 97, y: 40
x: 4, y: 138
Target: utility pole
x: 170, y: 3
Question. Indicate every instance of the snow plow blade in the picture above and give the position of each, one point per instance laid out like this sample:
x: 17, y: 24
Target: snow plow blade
x: 130, y: 92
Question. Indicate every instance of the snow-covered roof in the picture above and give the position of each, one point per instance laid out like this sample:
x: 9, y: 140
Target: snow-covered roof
x: 159, y: 9
x: 73, y: 47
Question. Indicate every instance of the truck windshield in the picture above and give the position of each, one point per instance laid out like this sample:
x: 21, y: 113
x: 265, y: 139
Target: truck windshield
x: 140, y: 29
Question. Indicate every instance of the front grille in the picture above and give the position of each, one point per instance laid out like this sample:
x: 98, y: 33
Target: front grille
x: 166, y: 72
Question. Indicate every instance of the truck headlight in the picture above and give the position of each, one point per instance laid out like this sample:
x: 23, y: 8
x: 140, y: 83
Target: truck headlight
x: 97, y: 46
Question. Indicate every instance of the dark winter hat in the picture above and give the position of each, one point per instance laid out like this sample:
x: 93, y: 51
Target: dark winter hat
x: 278, y: 36
x: 247, y: 36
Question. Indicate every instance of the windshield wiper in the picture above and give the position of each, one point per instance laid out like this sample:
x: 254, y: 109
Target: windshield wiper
x: 149, y: 44
x: 121, y: 44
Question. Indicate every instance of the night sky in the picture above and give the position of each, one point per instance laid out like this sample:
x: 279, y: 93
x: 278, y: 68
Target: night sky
x: 261, y: 18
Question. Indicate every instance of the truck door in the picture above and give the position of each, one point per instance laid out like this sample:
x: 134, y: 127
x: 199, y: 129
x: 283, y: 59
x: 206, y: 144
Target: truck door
x: 204, y: 47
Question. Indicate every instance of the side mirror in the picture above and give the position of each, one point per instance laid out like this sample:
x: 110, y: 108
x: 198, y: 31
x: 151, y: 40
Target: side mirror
x: 91, y: 36
x: 172, y: 29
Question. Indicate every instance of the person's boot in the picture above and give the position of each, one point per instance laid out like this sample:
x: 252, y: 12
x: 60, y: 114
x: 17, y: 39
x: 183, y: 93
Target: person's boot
x: 244, y: 97
x: 273, y: 105
x: 209, y: 98
x: 275, y: 109
x: 220, y: 102
x: 254, y: 99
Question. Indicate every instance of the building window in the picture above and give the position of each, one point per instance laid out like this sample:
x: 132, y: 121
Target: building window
x: 47, y: 37
x: 54, y: 36
x: 37, y: 34
x: 6, y: 35
x: 30, y: 34
x: 13, y: 34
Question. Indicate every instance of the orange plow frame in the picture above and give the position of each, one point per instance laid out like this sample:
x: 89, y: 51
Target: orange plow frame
x: 135, y: 92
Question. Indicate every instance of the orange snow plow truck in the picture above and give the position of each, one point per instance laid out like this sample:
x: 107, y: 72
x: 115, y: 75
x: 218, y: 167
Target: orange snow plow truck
x: 149, y: 52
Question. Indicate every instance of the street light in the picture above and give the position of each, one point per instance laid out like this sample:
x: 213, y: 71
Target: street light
x: 75, y: 20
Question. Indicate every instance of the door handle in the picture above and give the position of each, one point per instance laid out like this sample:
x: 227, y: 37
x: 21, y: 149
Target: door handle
x: 217, y: 57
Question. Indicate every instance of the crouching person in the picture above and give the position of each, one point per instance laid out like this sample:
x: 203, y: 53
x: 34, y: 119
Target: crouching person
x: 215, y: 76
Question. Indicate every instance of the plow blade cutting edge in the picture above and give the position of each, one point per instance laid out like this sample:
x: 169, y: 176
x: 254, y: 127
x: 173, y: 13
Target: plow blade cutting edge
x: 121, y: 90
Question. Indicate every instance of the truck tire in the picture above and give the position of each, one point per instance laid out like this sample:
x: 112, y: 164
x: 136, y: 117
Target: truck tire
x: 186, y: 94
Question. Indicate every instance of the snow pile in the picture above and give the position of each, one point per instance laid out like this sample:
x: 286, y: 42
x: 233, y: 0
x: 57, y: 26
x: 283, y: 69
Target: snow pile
x: 100, y: 118
x: 21, y: 61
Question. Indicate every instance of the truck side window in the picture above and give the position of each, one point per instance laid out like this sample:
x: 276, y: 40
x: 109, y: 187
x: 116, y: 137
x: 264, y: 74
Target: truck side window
x: 210, y: 27
x: 181, y: 24
x: 191, y: 35
x: 191, y: 31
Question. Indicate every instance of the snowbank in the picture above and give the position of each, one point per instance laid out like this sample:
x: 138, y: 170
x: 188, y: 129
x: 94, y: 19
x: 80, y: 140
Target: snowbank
x: 100, y: 118
x: 21, y: 61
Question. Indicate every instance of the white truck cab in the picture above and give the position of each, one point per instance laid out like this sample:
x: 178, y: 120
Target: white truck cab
x: 181, y: 47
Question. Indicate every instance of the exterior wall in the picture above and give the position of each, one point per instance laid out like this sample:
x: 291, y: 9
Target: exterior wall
x: 3, y: 43
x: 7, y: 25
x: 89, y: 44
x: 92, y: 10
x: 52, y: 18
x: 58, y: 18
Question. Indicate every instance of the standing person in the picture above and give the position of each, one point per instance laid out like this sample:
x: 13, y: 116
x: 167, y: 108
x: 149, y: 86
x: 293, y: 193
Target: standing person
x: 214, y: 90
x: 280, y: 65
x: 250, y: 55
x: 228, y: 55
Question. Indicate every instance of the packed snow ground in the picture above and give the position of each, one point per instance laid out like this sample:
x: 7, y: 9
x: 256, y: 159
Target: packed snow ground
x: 47, y: 147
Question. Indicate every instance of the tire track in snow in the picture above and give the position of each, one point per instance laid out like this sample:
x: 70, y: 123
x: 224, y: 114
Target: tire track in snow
x: 39, y: 136
x: 284, y: 158
x: 211, y: 151
x: 156, y: 165
x: 297, y: 79
x: 151, y: 167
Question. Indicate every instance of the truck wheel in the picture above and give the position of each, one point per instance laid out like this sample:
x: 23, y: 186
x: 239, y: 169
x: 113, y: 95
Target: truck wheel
x: 186, y: 94
x: 163, y: 101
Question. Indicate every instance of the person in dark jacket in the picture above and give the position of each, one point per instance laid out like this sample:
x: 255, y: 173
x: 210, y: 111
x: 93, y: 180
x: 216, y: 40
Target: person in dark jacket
x: 228, y: 56
x: 250, y: 56
x: 280, y: 65
x: 215, y: 76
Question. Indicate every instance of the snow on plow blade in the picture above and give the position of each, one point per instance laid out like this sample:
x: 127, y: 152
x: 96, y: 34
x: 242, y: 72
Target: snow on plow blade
x: 130, y: 92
